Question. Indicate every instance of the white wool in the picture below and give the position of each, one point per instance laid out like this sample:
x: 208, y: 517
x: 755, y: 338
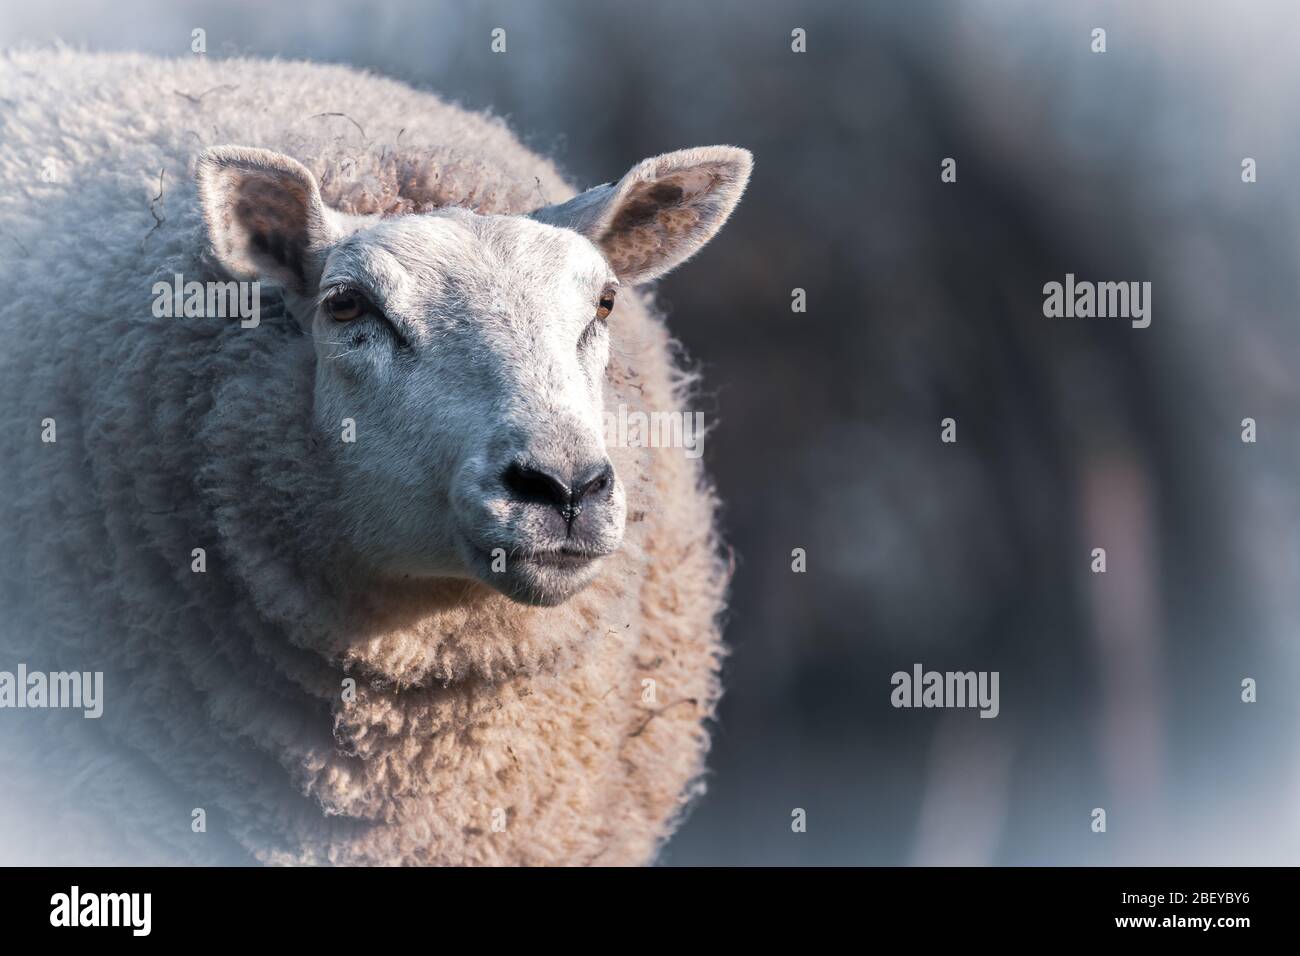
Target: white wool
x: 482, y: 730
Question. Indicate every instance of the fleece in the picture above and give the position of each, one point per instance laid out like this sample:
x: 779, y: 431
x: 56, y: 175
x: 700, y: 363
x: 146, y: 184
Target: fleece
x: 258, y: 710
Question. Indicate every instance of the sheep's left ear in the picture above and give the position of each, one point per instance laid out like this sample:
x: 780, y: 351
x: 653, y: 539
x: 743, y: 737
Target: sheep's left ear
x: 661, y: 213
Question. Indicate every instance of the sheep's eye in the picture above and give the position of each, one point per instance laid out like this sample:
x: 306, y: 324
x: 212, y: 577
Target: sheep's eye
x: 346, y: 305
x: 606, y: 304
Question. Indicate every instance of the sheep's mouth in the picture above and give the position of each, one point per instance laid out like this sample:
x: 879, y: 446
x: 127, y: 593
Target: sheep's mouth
x: 545, y: 576
x: 561, y: 558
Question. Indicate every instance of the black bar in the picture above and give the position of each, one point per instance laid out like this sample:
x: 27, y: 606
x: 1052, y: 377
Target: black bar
x: 216, y: 906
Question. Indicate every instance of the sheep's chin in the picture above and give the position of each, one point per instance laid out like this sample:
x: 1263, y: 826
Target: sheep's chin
x: 543, y: 587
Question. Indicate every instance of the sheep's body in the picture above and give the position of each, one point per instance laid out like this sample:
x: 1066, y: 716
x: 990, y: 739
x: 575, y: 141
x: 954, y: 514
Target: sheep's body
x: 482, y: 731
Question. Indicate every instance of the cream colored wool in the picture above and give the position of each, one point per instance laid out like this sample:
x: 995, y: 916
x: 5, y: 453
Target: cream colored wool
x: 223, y: 689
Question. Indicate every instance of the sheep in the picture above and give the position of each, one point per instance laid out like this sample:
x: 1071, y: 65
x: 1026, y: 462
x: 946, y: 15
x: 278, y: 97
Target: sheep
x: 365, y: 581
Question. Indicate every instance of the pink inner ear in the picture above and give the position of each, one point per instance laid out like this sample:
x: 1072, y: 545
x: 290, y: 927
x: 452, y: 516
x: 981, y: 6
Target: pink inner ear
x: 667, y: 198
x: 267, y: 205
x: 273, y: 212
x: 656, y: 215
x: 644, y: 204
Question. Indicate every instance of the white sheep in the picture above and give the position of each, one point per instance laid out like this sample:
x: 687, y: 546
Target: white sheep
x: 364, y: 579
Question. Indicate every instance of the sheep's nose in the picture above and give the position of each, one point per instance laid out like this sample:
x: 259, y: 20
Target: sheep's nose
x: 529, y: 483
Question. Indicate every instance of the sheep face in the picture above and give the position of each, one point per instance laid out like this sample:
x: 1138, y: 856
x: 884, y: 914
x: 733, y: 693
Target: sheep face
x: 470, y: 351
x: 460, y: 358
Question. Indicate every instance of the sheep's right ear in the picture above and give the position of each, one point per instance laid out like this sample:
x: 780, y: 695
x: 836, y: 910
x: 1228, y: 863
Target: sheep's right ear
x: 265, y: 216
x: 660, y: 213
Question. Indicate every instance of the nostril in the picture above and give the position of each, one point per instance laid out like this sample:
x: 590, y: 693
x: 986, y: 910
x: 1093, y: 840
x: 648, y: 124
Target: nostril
x: 529, y: 484
x: 533, y: 484
x: 599, y: 482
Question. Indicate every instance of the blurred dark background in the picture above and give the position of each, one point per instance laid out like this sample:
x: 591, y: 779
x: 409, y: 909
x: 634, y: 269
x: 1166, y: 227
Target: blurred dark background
x: 925, y: 300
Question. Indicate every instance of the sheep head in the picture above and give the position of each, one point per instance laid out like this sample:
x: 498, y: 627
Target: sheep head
x: 468, y: 353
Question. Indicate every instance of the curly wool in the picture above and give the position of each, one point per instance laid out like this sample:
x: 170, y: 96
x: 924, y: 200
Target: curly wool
x: 482, y: 731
